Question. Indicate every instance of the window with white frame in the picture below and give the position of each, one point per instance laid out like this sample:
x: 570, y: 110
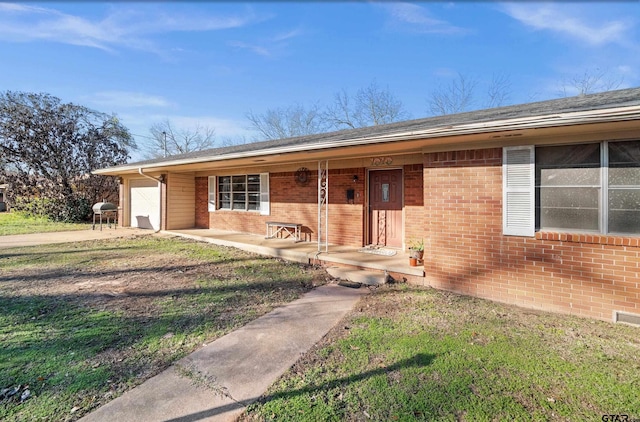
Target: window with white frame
x: 592, y: 188
x: 247, y: 192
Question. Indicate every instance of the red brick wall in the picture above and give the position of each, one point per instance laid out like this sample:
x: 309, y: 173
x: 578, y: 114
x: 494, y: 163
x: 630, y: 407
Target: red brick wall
x: 346, y: 220
x: 202, y: 200
x: 413, y: 203
x: 583, y: 275
x: 291, y: 202
x: 295, y: 203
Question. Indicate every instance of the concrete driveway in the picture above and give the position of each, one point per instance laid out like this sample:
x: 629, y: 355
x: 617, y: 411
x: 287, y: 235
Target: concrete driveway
x: 34, y: 239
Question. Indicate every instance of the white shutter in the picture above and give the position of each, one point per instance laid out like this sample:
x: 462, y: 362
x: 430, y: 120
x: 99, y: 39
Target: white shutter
x: 212, y: 194
x: 518, y: 178
x: 264, y: 194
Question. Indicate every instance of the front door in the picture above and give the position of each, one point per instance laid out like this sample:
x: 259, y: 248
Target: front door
x: 385, y: 207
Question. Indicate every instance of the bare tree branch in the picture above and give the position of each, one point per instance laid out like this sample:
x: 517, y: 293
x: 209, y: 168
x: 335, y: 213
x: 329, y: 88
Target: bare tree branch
x: 339, y: 114
x: 591, y: 81
x: 370, y: 106
x: 280, y: 123
x: 499, y: 91
x: 453, y: 98
x: 169, y: 140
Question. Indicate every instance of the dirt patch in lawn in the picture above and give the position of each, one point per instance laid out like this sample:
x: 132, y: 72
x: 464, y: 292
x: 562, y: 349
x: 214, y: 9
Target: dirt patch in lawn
x: 85, y: 322
x: 133, y: 288
x: 132, y: 282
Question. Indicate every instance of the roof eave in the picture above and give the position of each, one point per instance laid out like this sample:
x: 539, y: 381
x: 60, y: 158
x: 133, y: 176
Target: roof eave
x: 551, y: 120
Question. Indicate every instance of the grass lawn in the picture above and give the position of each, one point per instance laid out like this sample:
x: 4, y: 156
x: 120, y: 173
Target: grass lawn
x: 16, y: 223
x: 81, y: 323
x: 409, y: 353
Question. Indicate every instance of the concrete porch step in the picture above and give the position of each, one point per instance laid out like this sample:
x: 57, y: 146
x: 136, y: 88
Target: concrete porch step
x: 365, y: 277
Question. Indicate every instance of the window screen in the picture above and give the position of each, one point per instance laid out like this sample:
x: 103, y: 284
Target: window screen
x: 568, y: 187
x: 624, y: 187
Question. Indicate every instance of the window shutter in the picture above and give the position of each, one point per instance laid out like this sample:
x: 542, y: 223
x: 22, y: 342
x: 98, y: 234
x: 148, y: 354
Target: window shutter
x: 518, y: 177
x: 212, y: 194
x: 264, y: 194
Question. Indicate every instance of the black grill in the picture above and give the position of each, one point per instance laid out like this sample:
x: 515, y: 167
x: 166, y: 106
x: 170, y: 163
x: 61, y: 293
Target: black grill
x: 108, y: 210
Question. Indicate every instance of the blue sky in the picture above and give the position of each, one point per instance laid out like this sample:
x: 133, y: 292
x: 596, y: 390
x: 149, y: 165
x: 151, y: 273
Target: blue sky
x: 209, y: 63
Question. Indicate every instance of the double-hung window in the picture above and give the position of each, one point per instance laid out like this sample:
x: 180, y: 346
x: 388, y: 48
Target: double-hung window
x: 591, y: 188
x: 246, y: 192
x: 239, y: 192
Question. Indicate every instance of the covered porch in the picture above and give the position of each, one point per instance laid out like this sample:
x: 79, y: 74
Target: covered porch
x: 307, y: 252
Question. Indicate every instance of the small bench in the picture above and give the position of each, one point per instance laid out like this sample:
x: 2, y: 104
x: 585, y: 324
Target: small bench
x: 278, y: 229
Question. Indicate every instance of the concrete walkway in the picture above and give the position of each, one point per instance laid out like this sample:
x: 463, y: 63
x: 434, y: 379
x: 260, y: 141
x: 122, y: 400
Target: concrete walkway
x: 35, y: 239
x: 216, y: 382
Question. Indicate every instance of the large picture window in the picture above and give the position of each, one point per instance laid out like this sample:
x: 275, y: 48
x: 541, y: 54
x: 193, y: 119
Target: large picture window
x: 592, y: 188
x: 239, y: 193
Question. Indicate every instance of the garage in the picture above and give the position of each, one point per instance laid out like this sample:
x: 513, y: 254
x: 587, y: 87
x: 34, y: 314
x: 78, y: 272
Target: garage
x: 144, y: 197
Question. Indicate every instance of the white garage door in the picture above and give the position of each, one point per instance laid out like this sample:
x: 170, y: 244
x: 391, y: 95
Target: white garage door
x: 145, y: 204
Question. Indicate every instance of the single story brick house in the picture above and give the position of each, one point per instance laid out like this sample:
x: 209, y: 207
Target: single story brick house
x: 536, y: 204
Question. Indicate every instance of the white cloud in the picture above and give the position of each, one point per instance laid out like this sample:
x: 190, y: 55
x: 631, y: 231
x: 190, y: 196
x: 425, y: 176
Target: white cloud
x: 294, y: 33
x: 259, y: 50
x: 123, y: 27
x: 415, y: 18
x: 270, y: 46
x: 124, y: 99
x: 564, y: 20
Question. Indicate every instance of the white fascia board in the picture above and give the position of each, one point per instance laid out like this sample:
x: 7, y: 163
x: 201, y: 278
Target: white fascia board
x: 554, y: 119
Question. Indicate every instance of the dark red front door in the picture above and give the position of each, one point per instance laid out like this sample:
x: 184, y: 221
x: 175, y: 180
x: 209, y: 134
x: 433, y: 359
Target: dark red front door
x: 385, y: 204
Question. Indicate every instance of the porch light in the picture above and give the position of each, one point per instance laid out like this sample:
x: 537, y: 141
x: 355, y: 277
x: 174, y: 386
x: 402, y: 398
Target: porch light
x: 355, y: 178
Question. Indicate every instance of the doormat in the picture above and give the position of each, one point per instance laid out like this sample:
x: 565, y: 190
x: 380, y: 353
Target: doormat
x: 378, y: 251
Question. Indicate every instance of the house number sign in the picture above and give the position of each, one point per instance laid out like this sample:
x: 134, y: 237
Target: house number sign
x: 381, y: 161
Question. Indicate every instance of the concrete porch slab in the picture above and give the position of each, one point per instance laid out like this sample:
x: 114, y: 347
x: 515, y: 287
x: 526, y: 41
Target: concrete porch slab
x: 303, y: 252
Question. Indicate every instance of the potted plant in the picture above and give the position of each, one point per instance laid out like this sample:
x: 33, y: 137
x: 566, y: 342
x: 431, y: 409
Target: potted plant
x: 416, y: 252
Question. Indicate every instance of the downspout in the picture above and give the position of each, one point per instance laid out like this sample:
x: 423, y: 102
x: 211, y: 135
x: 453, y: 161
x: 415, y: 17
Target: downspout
x: 159, y: 180
x: 148, y: 176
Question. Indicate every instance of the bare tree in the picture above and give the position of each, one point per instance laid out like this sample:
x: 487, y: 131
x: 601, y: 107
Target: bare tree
x: 370, y: 106
x: 279, y: 123
x: 166, y: 139
x: 499, y: 91
x: 340, y: 114
x: 460, y: 95
x: 456, y: 97
x: 591, y: 81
